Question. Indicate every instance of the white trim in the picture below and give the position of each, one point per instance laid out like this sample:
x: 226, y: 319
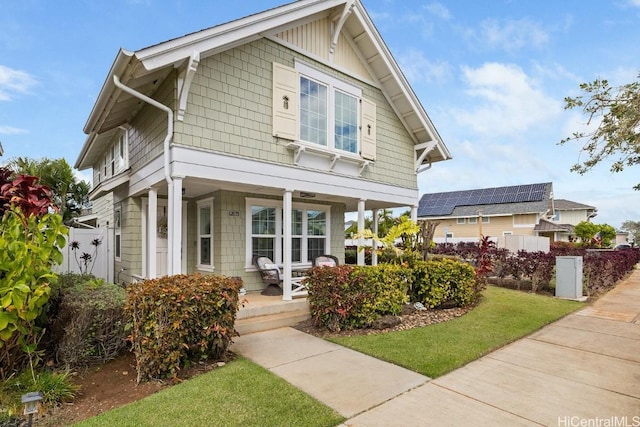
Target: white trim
x: 208, y: 202
x: 117, y: 231
x: 227, y: 168
x: 327, y: 79
x: 332, y: 84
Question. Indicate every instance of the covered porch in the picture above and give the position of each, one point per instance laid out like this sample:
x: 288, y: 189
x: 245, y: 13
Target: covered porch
x: 216, y: 204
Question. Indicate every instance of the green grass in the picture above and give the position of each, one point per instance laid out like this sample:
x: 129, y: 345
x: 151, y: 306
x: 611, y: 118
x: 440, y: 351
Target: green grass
x: 238, y: 394
x: 502, y: 316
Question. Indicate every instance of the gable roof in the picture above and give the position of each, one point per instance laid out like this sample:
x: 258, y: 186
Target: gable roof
x: 568, y: 205
x: 515, y: 199
x: 144, y: 69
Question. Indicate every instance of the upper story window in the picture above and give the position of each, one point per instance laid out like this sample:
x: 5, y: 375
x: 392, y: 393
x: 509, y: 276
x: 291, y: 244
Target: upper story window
x: 320, y: 111
x: 116, y: 158
x: 328, y: 110
x: 461, y: 220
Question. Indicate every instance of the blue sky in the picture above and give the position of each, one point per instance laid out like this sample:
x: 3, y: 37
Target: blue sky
x: 492, y: 75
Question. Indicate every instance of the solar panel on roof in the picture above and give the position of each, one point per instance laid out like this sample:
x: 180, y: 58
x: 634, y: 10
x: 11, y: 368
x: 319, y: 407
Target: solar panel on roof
x: 438, y: 204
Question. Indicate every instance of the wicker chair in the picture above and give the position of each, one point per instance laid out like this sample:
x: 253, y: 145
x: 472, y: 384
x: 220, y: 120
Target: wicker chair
x: 269, y: 273
x: 325, y: 261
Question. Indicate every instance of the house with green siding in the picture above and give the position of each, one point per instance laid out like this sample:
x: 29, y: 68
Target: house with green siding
x: 254, y: 137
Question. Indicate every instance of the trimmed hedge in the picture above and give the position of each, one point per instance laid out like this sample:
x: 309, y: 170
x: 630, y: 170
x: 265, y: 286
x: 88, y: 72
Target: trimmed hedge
x: 179, y: 319
x: 90, y: 322
x: 347, y: 296
x: 441, y: 281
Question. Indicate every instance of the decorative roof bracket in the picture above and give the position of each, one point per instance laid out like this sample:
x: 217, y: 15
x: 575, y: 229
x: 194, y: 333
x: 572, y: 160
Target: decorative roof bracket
x: 426, y: 148
x: 348, y: 8
x: 184, y: 83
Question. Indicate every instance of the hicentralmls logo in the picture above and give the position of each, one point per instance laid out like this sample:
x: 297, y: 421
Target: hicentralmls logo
x: 575, y: 421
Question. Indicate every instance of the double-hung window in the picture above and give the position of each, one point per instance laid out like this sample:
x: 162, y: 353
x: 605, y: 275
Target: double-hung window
x: 205, y: 234
x: 328, y: 111
x: 309, y: 231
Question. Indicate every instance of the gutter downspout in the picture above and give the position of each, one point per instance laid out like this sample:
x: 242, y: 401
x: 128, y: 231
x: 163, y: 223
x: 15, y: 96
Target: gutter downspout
x: 167, y: 174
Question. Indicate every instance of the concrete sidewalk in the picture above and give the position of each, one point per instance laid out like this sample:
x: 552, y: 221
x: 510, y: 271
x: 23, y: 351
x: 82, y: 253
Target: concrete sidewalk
x: 581, y: 370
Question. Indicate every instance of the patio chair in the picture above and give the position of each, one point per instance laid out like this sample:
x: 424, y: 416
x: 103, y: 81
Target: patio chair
x: 270, y: 275
x: 325, y: 261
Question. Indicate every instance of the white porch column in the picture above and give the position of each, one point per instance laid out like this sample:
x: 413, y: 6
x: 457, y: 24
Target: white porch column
x: 175, y: 244
x: 286, y: 245
x: 414, y: 213
x: 360, y: 258
x: 152, y: 218
x: 374, y: 251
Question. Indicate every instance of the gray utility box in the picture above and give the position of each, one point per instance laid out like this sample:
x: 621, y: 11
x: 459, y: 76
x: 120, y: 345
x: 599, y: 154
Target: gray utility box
x: 569, y: 277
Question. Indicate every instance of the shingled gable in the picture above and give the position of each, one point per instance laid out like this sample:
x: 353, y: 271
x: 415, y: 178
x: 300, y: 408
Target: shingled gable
x: 519, y: 199
x: 144, y: 70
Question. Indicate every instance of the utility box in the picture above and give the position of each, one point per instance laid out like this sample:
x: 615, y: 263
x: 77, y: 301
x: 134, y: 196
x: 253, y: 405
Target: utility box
x: 569, y: 277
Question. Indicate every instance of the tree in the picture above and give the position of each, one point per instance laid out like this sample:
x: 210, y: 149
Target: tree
x: 69, y: 194
x: 613, y: 116
x: 596, y: 234
x: 385, y: 222
x: 633, y: 227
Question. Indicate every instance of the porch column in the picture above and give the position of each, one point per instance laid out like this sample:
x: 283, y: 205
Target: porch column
x: 360, y: 258
x: 286, y: 245
x: 374, y: 251
x: 175, y: 244
x: 152, y: 218
x: 414, y: 213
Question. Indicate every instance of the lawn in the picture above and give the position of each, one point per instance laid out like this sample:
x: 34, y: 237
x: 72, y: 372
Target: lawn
x: 244, y: 394
x: 502, y: 316
x: 238, y: 394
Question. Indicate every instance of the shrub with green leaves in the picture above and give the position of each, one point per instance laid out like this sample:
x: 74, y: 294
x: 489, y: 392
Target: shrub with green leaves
x: 347, y: 297
x: 179, y: 319
x: 90, y: 324
x: 442, y: 281
x: 29, y: 247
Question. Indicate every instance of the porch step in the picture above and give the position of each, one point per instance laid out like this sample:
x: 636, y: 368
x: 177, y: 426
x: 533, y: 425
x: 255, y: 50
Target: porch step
x: 249, y: 325
x: 261, y: 313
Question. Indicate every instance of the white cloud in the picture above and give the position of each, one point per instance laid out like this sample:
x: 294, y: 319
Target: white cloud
x: 634, y: 3
x: 509, y: 101
x: 512, y: 35
x: 14, y: 82
x: 418, y: 69
x: 439, y: 10
x: 9, y: 130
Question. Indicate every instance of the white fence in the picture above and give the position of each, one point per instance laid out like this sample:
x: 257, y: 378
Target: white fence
x: 513, y: 243
x: 101, y: 263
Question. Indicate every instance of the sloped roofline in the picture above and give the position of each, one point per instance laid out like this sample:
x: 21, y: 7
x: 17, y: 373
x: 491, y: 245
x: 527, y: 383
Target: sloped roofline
x: 173, y: 53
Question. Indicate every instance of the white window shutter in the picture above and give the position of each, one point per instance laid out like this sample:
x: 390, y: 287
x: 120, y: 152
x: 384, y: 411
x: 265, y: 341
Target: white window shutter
x: 368, y: 129
x: 286, y: 98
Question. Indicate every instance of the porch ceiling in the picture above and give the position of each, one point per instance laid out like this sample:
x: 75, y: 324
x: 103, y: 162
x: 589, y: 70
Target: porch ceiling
x: 195, y: 188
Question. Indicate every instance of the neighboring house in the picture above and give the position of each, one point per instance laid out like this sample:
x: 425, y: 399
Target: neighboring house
x: 523, y: 210
x: 565, y: 215
x: 254, y: 137
x: 495, y: 212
